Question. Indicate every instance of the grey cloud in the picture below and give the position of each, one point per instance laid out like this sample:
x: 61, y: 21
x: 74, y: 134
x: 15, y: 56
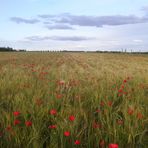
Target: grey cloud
x: 19, y: 20
x: 96, y: 21
x: 59, y: 38
x: 59, y: 26
x: 145, y: 8
x: 36, y: 38
x: 72, y: 38
x: 67, y: 20
x: 46, y: 16
x: 49, y: 16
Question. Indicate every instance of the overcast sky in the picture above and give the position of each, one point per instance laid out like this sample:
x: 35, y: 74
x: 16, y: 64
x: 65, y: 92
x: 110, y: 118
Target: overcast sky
x: 74, y: 24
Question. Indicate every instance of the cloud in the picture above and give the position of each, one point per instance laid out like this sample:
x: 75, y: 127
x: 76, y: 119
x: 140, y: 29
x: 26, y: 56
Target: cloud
x: 59, y: 26
x: 145, y: 8
x: 59, y: 38
x: 51, y: 16
x: 19, y: 20
x: 67, y: 20
x: 138, y: 41
x: 94, y: 21
x: 46, y: 16
x: 71, y: 38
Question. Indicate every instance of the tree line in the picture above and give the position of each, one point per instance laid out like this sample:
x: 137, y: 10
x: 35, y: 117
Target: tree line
x: 9, y: 49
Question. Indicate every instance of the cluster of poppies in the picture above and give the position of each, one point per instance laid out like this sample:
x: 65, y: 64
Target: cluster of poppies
x: 17, y: 121
x: 121, y: 90
x: 66, y: 133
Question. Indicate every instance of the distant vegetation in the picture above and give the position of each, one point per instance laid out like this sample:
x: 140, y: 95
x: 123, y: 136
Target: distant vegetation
x: 2, y: 49
x: 101, y: 51
x: 9, y: 49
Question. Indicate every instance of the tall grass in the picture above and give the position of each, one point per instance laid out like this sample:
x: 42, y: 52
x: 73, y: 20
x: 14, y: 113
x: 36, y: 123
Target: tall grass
x: 106, y: 94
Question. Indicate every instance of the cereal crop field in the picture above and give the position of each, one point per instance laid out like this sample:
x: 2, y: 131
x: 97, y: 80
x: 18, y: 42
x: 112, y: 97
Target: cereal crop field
x: 69, y: 100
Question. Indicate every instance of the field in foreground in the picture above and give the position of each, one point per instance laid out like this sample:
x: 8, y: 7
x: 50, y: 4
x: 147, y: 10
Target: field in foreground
x: 66, y: 100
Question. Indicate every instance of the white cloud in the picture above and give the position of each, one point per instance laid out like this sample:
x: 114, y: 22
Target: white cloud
x: 138, y: 41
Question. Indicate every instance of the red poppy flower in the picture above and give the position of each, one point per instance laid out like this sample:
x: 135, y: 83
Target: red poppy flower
x: 98, y: 110
x: 8, y: 128
x: 77, y: 142
x: 28, y: 123
x: 61, y: 82
x: 130, y: 111
x: 139, y: 116
x: 120, y: 122
x: 102, y: 103
x: 125, y: 93
x: 72, y: 118
x: 119, y: 95
x: 113, y: 146
x: 102, y: 143
x: 96, y: 125
x: 16, y: 113
x: 67, y: 133
x: 125, y: 81
x: 53, y: 112
x: 110, y: 103
x: 122, y: 86
x: 120, y: 90
x: 52, y: 126
x: 16, y: 122
x: 59, y: 96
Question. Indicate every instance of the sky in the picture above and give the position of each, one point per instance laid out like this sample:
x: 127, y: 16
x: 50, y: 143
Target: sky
x: 74, y: 24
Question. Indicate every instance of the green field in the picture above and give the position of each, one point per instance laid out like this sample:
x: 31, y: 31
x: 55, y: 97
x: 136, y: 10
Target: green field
x: 68, y: 100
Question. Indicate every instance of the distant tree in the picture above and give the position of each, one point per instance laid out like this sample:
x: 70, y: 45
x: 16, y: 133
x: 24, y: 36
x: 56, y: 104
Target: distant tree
x: 22, y: 50
x: 6, y: 49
